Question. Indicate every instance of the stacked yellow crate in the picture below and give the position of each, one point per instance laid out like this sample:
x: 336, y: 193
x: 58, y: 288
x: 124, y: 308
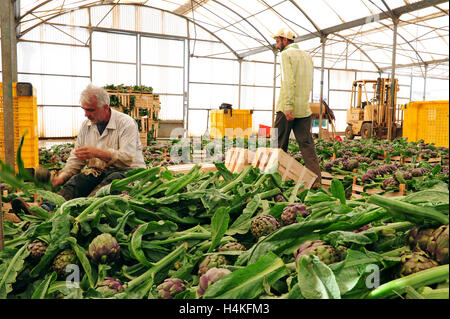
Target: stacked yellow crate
x: 427, y: 120
x: 231, y: 123
x: 25, y: 122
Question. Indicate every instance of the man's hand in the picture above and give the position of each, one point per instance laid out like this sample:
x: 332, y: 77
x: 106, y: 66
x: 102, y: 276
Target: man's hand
x: 88, y: 152
x: 289, y: 115
x: 57, y: 181
x: 85, y: 152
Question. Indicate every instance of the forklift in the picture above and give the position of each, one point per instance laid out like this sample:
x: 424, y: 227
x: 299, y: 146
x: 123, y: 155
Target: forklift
x: 372, y: 117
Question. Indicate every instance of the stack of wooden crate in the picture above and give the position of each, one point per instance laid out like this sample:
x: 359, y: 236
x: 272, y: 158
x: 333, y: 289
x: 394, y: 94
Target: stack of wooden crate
x: 142, y: 105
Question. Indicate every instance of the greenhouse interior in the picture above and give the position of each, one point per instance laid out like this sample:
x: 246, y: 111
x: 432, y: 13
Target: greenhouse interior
x: 224, y: 149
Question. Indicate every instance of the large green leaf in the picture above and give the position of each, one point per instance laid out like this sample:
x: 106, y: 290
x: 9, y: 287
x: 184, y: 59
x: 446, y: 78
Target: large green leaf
x: 81, y: 255
x: 337, y: 189
x: 242, y: 224
x: 248, y: 282
x: 8, y: 277
x: 219, y: 225
x: 42, y: 289
x: 316, y: 280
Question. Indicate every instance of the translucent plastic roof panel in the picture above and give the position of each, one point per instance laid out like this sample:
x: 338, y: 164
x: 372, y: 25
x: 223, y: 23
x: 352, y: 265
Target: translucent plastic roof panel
x: 245, y: 27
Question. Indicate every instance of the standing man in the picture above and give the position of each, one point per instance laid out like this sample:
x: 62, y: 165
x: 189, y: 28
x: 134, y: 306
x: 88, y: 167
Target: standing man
x: 293, y: 111
x: 108, y: 144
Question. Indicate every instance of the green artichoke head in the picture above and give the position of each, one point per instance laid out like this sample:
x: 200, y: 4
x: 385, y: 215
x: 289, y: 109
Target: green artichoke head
x: 211, y: 261
x: 419, y: 238
x: 170, y: 288
x: 62, y: 260
x: 232, y: 246
x: 326, y: 253
x: 415, y: 261
x: 104, y: 249
x: 264, y: 225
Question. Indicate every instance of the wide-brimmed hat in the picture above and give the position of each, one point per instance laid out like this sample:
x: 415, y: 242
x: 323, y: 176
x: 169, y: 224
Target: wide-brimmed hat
x: 284, y: 33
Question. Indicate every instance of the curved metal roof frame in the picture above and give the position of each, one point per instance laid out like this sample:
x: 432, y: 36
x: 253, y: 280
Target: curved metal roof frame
x: 191, y: 6
x: 44, y: 21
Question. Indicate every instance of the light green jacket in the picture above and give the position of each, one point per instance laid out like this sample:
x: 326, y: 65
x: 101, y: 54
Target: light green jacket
x: 296, y: 81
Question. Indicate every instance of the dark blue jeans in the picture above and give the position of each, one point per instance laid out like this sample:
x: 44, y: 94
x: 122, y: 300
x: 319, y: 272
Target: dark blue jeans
x: 81, y: 185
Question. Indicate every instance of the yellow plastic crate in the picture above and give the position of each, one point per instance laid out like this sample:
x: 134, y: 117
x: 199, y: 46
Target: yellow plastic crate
x: 231, y: 123
x: 427, y: 120
x: 25, y: 120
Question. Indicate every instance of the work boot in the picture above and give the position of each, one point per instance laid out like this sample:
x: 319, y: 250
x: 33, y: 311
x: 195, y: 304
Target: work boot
x: 48, y: 206
x: 19, y: 205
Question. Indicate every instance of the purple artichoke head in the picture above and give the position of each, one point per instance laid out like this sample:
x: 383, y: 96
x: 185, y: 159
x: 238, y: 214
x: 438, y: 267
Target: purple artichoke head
x: 109, y: 286
x: 170, y: 288
x: 104, y: 249
x: 37, y: 249
x: 389, y: 182
x: 289, y: 215
x: 212, y: 276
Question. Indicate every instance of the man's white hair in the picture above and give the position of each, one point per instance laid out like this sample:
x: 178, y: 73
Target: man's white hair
x: 99, y: 93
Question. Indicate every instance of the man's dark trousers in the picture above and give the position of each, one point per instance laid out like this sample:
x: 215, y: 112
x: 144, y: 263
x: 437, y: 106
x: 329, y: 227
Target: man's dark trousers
x: 81, y: 185
x: 302, y: 132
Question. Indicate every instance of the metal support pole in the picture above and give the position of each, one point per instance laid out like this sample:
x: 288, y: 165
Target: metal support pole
x: 274, y: 86
x: 9, y: 73
x: 240, y: 83
x: 2, y: 237
x: 393, y: 84
x: 322, y: 40
x: 425, y: 83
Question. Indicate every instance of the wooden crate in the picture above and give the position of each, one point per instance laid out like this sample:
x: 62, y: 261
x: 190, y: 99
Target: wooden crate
x: 143, y: 137
x: 409, y: 160
x: 236, y: 159
x: 270, y: 160
x: 357, y: 191
x: 327, y: 178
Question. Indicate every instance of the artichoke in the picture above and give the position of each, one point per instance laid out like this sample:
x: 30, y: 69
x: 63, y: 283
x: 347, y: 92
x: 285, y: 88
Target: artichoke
x: 109, y: 286
x: 389, y: 182
x: 37, y: 249
x: 418, y: 238
x: 232, y: 246
x: 210, y: 277
x: 326, y: 253
x: 289, y: 215
x: 438, y: 245
x: 104, y: 248
x: 264, y: 225
x: 415, y: 261
x: 62, y: 260
x: 211, y: 261
x: 350, y: 165
x: 170, y: 288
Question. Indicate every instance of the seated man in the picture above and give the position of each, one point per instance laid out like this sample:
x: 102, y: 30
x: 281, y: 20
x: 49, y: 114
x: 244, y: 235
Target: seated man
x: 108, y: 144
